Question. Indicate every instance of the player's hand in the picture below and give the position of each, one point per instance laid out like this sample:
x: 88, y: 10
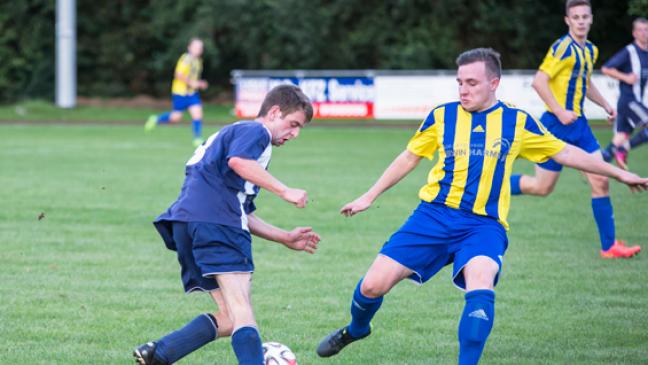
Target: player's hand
x: 202, y: 84
x: 297, y: 197
x: 566, y: 117
x: 359, y: 205
x: 634, y: 182
x: 611, y: 114
x: 631, y: 78
x: 302, y: 239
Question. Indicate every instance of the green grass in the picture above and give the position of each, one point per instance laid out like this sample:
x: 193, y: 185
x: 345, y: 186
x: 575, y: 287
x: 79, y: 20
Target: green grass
x: 38, y: 110
x: 92, y: 279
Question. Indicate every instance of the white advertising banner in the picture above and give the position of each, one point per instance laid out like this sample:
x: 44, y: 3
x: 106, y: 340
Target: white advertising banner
x: 413, y: 96
x: 381, y: 94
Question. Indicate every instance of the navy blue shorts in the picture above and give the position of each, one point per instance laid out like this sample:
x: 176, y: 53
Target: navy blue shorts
x: 182, y: 102
x: 436, y: 235
x: 578, y: 134
x: 630, y: 115
x: 205, y: 250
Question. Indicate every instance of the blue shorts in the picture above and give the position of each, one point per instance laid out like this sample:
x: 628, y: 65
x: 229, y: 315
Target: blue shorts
x: 578, y: 134
x: 436, y: 235
x: 182, y: 102
x: 205, y: 250
x: 630, y: 115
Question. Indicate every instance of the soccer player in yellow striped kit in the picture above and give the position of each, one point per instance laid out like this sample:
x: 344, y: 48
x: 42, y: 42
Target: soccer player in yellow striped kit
x: 563, y: 82
x: 462, y: 215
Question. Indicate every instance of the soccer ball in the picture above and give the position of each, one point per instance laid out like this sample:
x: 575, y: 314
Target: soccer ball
x: 275, y: 353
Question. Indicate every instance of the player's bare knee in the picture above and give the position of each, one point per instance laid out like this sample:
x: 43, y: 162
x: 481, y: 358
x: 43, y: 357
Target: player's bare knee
x: 479, y: 280
x: 175, y: 117
x: 544, y: 189
x: 600, y: 185
x: 373, y: 288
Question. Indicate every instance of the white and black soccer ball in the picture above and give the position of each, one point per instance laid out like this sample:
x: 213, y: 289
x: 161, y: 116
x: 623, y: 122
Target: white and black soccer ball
x: 275, y: 353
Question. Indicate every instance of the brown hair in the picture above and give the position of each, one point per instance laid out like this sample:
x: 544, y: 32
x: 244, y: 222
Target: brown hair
x: 489, y: 56
x: 640, y: 20
x: 289, y: 98
x: 572, y: 3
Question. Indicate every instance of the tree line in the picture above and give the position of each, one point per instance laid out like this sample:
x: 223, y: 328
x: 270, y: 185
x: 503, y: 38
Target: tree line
x: 127, y: 48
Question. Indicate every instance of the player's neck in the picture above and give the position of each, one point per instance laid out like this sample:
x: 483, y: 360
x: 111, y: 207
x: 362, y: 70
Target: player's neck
x: 643, y: 46
x: 491, y: 103
x: 266, y: 123
x: 580, y: 40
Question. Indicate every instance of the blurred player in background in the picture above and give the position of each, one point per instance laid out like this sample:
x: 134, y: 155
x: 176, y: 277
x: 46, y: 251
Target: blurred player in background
x: 462, y: 215
x: 210, y: 224
x: 563, y: 82
x: 630, y: 67
x: 184, y: 92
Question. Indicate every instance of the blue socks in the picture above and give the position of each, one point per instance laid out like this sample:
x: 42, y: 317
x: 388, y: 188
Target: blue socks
x: 194, y: 335
x: 196, y: 127
x: 363, y: 310
x: 163, y: 118
x: 515, y: 184
x: 475, y: 325
x: 246, y: 343
x: 604, y: 217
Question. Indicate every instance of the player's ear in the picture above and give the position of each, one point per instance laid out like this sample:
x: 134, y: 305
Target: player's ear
x: 274, y: 112
x: 494, y: 83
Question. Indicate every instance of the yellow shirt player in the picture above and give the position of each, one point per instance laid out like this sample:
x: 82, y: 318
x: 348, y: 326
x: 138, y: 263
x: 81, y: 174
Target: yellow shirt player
x: 462, y: 216
x: 563, y: 82
x: 184, y: 92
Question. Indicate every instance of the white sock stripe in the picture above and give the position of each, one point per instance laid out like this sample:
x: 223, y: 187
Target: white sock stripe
x: 641, y: 112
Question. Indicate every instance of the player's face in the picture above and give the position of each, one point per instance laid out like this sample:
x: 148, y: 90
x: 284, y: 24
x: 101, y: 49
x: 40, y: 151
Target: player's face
x: 196, y: 48
x: 285, y: 128
x: 640, y: 33
x: 579, y: 20
x: 476, y: 86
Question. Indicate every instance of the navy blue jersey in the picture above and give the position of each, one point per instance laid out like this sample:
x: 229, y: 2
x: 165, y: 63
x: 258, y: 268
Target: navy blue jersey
x: 212, y: 192
x: 631, y: 59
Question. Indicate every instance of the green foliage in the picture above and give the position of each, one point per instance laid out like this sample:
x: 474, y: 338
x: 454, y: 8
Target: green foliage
x: 130, y: 47
x: 638, y: 7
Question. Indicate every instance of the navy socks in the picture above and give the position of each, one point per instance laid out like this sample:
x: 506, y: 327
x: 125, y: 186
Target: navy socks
x: 194, y: 335
x: 246, y: 343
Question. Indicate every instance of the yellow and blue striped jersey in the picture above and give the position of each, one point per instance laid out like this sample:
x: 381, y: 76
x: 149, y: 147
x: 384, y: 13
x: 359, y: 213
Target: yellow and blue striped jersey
x: 190, y: 67
x: 569, y: 66
x: 476, y: 154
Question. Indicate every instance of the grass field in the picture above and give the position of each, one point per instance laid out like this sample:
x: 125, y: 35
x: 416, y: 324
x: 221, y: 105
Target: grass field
x: 91, y: 279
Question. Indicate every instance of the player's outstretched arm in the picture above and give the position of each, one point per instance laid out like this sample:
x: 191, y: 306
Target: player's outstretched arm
x: 398, y: 169
x: 575, y: 157
x: 595, y: 95
x: 299, y: 239
x: 541, y: 86
x: 251, y: 171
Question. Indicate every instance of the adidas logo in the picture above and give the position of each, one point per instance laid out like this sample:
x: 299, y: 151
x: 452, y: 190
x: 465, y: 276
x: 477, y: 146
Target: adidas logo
x: 478, y: 129
x: 479, y: 313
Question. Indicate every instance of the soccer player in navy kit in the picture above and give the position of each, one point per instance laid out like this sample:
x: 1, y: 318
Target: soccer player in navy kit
x: 211, y: 222
x: 462, y: 215
x: 563, y: 82
x: 630, y: 67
